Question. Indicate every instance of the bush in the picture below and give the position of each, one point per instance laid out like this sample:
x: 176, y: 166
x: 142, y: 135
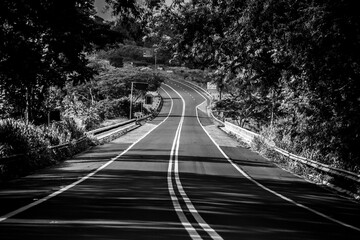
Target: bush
x: 27, y: 139
x: 114, y: 108
x: 135, y: 54
x: 98, y: 65
x: 117, y: 61
x: 83, y: 114
x: 75, y: 131
x: 140, y: 64
x: 53, y: 135
x: 106, y: 97
x: 91, y: 120
x: 21, y: 138
x: 62, y: 132
x: 5, y: 149
x: 25, y: 147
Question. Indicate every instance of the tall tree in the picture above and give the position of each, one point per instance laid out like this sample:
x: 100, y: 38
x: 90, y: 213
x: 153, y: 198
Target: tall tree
x: 44, y: 44
x: 294, y: 64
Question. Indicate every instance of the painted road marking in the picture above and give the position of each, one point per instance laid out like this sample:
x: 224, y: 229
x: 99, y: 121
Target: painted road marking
x: 213, y: 234
x: 179, y: 211
x: 63, y: 189
x: 261, y: 185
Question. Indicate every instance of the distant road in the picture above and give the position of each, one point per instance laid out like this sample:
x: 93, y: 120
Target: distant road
x: 177, y: 177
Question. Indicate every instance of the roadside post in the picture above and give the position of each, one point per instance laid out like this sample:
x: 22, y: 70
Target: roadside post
x: 131, y: 97
x: 140, y: 86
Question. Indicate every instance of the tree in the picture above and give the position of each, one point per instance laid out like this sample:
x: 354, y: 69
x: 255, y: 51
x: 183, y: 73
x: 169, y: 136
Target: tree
x: 294, y: 64
x: 44, y: 44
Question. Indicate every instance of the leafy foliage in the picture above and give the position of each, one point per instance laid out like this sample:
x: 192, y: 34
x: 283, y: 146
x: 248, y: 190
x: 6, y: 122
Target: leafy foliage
x: 44, y: 45
x: 135, y: 54
x: 107, y: 96
x: 290, y: 65
x: 21, y: 138
x: 64, y: 131
x: 25, y: 147
x: 117, y: 61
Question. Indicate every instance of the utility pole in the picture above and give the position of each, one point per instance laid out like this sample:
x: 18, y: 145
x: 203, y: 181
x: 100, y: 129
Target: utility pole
x: 131, y: 97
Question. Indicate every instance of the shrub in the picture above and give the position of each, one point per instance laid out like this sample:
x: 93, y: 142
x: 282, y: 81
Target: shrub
x: 91, y: 119
x: 140, y: 64
x: 5, y: 149
x: 83, y: 115
x: 53, y: 135
x: 97, y: 65
x: 135, y: 54
x: 27, y: 139
x: 109, y: 109
x: 117, y: 61
x: 25, y: 147
x: 75, y: 131
x: 62, y: 132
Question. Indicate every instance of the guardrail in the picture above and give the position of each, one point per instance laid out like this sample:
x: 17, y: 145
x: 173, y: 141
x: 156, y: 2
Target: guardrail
x: 248, y: 136
x: 245, y: 134
x: 16, y: 165
x: 114, y: 131
x: 10, y: 165
x: 108, y: 128
x: 320, y: 166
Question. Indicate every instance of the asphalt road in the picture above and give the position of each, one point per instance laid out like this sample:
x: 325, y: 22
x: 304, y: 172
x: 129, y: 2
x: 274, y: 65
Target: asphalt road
x: 177, y: 177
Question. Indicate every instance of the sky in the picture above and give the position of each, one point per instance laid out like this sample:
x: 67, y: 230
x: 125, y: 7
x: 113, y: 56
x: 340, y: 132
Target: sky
x: 99, y: 6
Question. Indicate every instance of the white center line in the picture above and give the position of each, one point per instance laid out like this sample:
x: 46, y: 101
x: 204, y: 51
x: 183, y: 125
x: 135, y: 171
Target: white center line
x: 213, y: 234
x: 179, y: 211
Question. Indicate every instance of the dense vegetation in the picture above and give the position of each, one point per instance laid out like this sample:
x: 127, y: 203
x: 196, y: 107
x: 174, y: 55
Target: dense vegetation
x: 45, y: 44
x: 290, y: 66
x: 50, y: 62
x: 25, y: 147
x: 135, y: 54
x: 107, y: 95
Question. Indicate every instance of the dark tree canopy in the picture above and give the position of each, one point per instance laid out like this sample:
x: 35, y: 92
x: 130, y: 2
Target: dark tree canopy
x: 290, y: 64
x: 44, y: 44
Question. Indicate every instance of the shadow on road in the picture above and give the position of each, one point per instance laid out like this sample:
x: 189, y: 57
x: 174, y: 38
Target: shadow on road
x: 130, y: 200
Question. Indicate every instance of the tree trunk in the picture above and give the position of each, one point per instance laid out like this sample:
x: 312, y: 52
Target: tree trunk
x: 28, y: 105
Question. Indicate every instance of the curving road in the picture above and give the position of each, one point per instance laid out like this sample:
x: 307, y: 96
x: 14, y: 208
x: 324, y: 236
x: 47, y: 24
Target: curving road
x: 177, y: 177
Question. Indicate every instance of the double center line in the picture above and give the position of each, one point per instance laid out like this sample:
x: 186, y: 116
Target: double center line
x: 177, y: 192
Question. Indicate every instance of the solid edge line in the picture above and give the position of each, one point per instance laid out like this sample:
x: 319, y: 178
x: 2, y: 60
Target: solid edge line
x: 262, y: 186
x: 33, y: 204
x: 213, y: 234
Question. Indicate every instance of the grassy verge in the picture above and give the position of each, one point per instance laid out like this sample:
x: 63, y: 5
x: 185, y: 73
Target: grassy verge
x: 337, y: 183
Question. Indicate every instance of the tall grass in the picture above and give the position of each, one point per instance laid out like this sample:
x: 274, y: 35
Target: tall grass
x: 17, y: 137
x: 27, y: 145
